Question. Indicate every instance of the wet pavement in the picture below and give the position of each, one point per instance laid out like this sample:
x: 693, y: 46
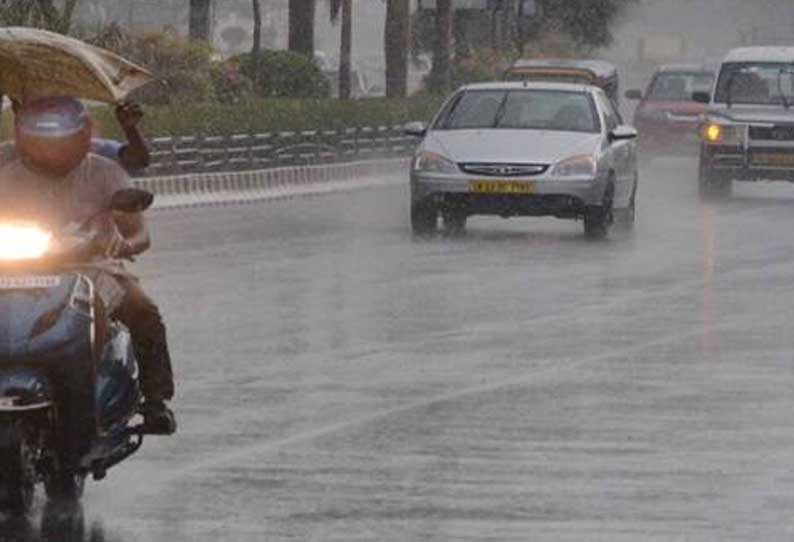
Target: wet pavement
x: 340, y: 380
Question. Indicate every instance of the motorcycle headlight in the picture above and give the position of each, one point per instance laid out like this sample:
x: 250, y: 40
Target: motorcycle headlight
x: 715, y: 133
x: 23, y: 242
x: 582, y: 165
x: 430, y: 162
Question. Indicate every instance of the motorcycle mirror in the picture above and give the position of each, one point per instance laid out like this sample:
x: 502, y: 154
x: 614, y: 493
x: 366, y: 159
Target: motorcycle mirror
x: 131, y: 200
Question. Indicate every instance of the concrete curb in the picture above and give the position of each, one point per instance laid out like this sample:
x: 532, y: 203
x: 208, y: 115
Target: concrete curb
x: 190, y: 190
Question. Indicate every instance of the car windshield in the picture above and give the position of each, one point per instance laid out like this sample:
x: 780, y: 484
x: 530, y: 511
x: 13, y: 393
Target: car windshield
x: 521, y: 109
x: 768, y: 83
x: 679, y: 86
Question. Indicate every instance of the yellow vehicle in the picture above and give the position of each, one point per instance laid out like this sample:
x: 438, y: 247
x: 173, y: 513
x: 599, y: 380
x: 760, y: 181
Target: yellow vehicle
x: 599, y: 73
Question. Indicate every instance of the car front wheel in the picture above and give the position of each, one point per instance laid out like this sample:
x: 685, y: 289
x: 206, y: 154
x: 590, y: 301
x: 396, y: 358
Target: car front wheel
x: 598, y: 218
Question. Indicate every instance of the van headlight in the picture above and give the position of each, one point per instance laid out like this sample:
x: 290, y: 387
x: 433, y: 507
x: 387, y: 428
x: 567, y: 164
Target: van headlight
x: 23, y: 242
x: 430, y: 162
x: 582, y: 165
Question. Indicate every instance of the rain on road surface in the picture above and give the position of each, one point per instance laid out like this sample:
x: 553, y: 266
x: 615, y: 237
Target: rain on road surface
x: 339, y: 380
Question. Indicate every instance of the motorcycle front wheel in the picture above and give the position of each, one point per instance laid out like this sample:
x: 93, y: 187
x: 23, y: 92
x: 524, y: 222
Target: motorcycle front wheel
x: 65, y: 486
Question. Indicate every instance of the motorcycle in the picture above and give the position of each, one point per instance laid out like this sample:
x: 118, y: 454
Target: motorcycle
x: 69, y: 394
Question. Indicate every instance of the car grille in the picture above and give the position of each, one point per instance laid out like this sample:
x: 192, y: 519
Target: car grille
x: 781, y: 132
x: 503, y: 170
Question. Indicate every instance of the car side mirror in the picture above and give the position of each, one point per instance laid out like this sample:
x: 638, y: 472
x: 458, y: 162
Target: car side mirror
x: 634, y: 94
x: 416, y: 129
x: 131, y: 200
x: 622, y: 133
x: 701, y: 97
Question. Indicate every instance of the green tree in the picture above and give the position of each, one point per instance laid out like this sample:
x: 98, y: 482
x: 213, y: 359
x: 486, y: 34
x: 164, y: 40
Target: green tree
x: 588, y: 22
x: 46, y: 14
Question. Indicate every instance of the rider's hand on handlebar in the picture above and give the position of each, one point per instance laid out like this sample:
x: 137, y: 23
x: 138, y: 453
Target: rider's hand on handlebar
x: 117, y: 247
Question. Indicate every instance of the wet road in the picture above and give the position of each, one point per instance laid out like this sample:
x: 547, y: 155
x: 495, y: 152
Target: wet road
x: 339, y: 380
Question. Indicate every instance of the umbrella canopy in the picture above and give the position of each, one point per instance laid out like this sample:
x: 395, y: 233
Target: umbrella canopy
x: 37, y: 63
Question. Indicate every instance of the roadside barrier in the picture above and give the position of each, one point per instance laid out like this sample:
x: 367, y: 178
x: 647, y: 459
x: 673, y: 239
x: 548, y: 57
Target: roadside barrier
x: 187, y: 190
x: 258, y: 151
x: 238, y: 168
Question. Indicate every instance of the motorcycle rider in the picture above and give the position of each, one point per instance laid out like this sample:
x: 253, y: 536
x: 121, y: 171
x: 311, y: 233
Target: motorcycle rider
x: 50, y: 172
x: 133, y: 156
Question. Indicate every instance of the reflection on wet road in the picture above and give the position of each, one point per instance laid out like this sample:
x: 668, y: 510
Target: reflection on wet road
x: 342, y: 381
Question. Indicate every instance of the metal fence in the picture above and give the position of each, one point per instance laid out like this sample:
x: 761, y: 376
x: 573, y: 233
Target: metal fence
x: 241, y: 152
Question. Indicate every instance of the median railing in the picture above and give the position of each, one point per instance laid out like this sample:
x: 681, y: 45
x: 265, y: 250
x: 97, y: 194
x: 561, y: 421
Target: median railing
x: 257, y: 151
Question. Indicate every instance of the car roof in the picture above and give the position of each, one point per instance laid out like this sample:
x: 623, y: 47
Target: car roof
x: 685, y: 68
x: 534, y: 85
x: 760, y: 54
x: 600, y: 68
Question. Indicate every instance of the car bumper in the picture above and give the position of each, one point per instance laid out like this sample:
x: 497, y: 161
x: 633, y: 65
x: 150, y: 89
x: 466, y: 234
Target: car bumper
x: 567, y: 198
x: 747, y: 164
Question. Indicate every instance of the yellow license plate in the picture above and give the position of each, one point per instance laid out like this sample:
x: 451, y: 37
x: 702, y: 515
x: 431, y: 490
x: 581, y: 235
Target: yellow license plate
x: 771, y: 159
x: 501, y: 187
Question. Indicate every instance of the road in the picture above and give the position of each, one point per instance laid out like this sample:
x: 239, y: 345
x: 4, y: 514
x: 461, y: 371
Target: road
x: 340, y: 381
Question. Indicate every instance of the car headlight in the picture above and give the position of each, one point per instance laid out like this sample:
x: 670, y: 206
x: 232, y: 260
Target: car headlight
x: 430, y: 162
x: 715, y: 133
x: 582, y: 165
x: 23, y: 242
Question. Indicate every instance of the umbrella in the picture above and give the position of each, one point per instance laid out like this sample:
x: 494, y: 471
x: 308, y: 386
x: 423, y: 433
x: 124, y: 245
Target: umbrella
x: 37, y: 63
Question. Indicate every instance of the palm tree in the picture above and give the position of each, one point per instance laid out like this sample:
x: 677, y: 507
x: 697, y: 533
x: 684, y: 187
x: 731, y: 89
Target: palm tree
x: 199, y: 27
x: 257, y: 46
x: 442, y: 65
x: 345, y: 49
x: 301, y: 26
x: 395, y: 47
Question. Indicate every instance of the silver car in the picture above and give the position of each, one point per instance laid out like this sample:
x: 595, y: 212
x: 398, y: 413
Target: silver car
x: 524, y: 149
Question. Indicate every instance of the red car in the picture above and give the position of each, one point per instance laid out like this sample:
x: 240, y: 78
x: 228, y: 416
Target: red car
x: 667, y: 118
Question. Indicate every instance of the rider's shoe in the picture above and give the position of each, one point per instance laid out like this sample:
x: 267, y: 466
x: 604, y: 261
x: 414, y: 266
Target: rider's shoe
x: 158, y: 419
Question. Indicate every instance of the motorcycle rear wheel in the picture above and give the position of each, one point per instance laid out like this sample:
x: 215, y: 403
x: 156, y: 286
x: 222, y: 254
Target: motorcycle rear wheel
x: 17, y: 468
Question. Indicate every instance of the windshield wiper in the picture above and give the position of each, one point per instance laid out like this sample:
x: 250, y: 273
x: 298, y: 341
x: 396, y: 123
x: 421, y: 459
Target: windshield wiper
x: 501, y: 111
x: 783, y: 97
x: 445, y: 122
x: 729, y: 88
